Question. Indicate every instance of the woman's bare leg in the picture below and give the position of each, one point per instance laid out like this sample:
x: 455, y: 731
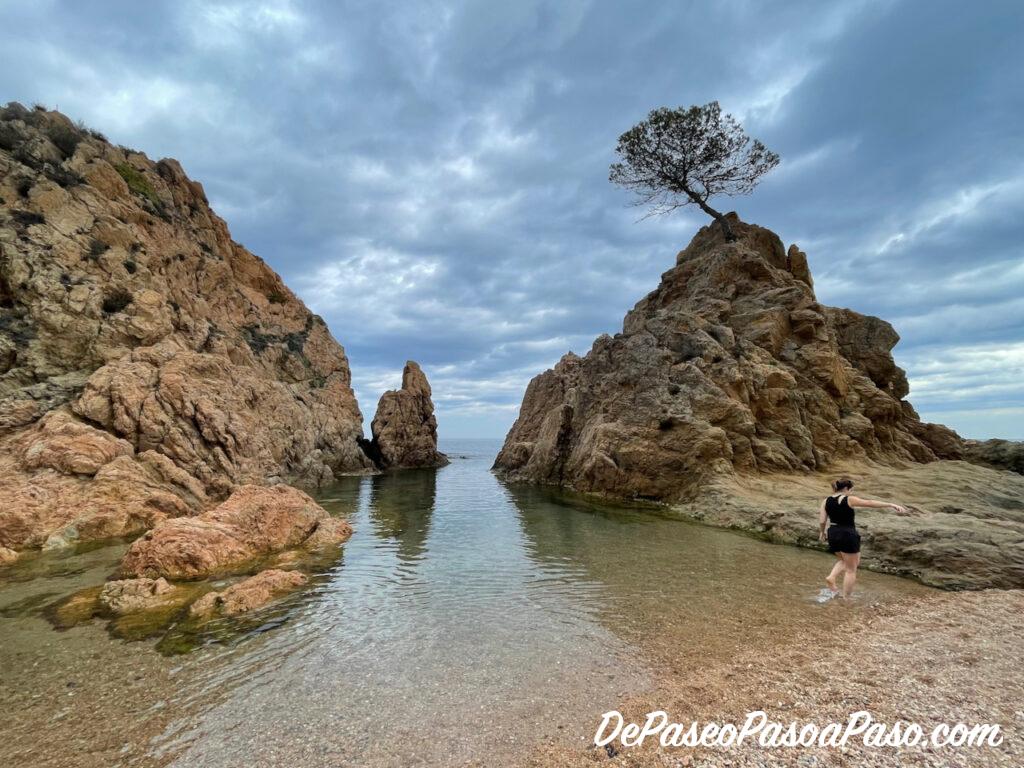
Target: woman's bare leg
x: 837, y: 569
x: 850, y: 562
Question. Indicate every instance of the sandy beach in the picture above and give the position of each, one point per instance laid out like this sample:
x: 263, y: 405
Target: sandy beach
x: 942, y: 658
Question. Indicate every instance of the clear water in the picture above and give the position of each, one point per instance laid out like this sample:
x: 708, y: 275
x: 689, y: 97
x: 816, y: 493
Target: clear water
x: 464, y: 621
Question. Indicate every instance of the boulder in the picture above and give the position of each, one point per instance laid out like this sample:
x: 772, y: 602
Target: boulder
x: 404, y: 428
x: 132, y: 326
x: 328, y: 533
x: 1001, y: 454
x: 255, y: 521
x: 247, y: 595
x: 51, y: 509
x: 133, y: 595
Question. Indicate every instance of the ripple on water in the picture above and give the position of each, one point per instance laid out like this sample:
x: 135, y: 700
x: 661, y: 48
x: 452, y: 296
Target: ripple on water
x: 464, y: 619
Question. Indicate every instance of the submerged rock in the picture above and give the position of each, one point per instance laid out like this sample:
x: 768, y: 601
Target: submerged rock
x: 75, y: 609
x: 148, y: 363
x: 404, y: 428
x: 255, y: 521
x: 247, y: 595
x: 132, y: 595
x: 730, y: 366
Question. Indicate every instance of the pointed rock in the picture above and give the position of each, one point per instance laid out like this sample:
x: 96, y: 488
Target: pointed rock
x: 796, y: 261
x: 404, y: 429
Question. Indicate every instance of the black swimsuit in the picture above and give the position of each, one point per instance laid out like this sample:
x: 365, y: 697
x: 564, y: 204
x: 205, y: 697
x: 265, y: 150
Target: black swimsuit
x: 842, y: 534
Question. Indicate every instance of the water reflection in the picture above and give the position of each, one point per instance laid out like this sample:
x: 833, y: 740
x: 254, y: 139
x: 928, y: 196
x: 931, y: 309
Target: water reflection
x: 434, y: 643
x: 664, y: 582
x: 462, y: 621
x: 400, y: 509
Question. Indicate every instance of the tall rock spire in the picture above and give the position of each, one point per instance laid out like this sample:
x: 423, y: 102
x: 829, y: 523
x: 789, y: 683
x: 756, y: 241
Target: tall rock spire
x: 404, y: 428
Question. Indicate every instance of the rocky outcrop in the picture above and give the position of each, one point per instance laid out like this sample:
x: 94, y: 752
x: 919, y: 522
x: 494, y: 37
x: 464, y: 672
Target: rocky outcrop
x: 963, y: 528
x: 248, y: 595
x: 255, y: 521
x: 1001, y: 454
x: 149, y: 364
x: 404, y: 428
x: 729, y: 367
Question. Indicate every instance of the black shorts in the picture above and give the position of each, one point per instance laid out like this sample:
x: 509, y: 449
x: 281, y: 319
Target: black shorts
x: 843, y: 539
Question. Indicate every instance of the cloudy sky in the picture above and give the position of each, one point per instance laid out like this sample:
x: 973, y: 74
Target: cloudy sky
x: 431, y: 177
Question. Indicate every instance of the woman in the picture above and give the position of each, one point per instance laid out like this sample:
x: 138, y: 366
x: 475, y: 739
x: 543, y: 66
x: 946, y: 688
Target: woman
x: 843, y: 539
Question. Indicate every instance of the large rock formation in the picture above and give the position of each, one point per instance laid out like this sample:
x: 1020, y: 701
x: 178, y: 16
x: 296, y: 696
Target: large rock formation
x: 148, y: 363
x: 404, y: 428
x: 735, y: 396
x: 730, y: 366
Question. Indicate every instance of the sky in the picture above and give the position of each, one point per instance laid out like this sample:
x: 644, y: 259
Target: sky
x: 432, y: 177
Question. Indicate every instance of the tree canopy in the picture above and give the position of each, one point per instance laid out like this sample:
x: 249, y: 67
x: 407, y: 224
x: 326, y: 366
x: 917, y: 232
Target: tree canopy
x: 685, y: 156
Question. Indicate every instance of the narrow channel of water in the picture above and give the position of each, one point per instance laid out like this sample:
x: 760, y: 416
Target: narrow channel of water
x: 464, y: 620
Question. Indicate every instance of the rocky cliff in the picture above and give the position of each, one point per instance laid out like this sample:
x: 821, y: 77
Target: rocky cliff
x: 730, y: 366
x: 149, y: 364
x: 404, y: 429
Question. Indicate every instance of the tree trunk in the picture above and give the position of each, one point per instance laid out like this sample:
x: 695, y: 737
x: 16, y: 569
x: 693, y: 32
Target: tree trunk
x: 730, y: 236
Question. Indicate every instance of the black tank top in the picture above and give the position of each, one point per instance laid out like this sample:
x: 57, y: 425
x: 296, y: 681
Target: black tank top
x: 839, y: 511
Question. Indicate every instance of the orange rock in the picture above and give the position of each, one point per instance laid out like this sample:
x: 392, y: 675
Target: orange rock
x: 329, y: 532
x: 404, y: 428
x: 254, y: 592
x: 128, y: 495
x: 65, y: 444
x: 254, y: 521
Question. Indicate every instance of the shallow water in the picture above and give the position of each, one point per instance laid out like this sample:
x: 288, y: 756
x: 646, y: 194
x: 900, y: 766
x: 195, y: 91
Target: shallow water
x: 464, y: 621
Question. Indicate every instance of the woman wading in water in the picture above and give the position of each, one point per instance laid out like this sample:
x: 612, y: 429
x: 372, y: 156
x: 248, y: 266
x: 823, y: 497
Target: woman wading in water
x: 843, y: 539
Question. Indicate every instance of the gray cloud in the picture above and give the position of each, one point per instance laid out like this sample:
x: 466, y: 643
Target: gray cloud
x: 432, y: 179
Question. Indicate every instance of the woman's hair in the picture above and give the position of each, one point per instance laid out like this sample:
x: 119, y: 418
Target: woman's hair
x: 842, y: 484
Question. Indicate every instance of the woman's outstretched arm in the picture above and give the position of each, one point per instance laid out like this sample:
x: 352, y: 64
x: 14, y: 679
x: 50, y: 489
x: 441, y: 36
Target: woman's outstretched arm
x: 855, y: 501
x: 822, y: 521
